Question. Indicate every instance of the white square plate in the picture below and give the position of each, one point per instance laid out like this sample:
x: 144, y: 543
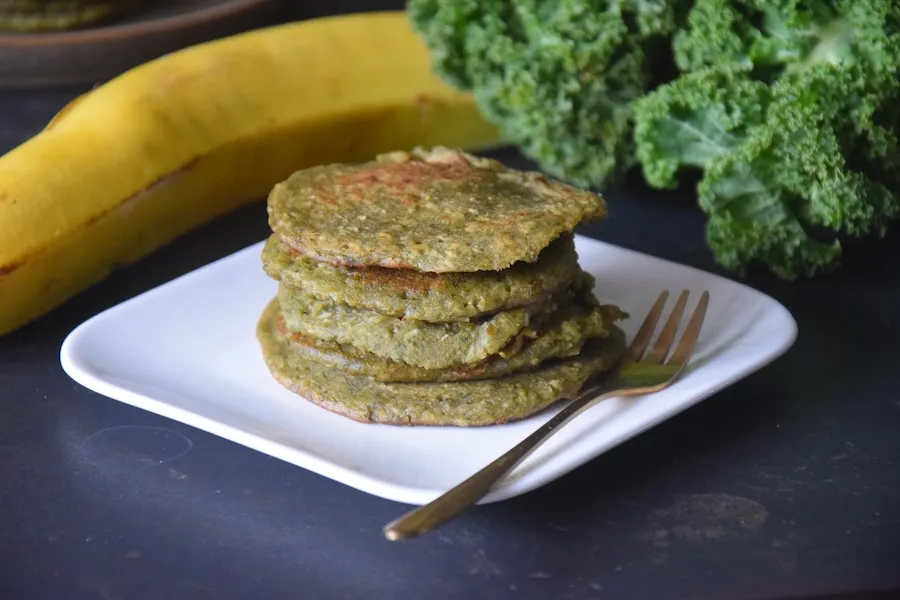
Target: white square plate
x: 187, y: 350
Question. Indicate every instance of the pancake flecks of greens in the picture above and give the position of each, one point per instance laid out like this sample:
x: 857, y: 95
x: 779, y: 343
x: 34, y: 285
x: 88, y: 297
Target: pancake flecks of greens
x: 564, y: 334
x: 417, y: 343
x: 463, y: 403
x: 433, y: 297
x: 435, y: 211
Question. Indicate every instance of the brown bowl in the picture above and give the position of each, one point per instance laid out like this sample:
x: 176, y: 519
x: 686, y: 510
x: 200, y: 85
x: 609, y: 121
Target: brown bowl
x: 33, y: 16
x: 96, y: 54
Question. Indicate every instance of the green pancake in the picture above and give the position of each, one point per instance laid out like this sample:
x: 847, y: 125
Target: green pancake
x: 464, y: 403
x: 433, y: 297
x: 437, y: 211
x: 563, y: 335
x: 417, y: 343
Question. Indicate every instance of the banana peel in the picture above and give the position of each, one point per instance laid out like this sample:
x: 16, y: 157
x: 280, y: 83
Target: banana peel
x: 178, y: 141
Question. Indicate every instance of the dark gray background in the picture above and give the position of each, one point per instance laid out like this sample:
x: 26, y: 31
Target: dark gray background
x: 785, y: 484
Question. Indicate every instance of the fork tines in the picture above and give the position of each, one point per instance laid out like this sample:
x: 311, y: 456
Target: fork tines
x: 666, y: 338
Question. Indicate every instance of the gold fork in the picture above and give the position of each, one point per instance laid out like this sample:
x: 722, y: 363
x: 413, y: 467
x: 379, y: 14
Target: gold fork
x: 638, y: 372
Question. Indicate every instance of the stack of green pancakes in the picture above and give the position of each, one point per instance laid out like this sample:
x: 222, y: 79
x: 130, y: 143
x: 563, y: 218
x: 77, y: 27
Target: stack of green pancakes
x: 432, y: 288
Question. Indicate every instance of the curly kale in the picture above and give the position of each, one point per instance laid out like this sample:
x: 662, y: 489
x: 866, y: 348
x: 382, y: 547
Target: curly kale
x: 791, y: 111
x: 557, y: 77
x: 771, y: 37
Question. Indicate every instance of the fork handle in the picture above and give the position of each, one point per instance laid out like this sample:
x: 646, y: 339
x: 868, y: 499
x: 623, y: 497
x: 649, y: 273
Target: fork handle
x: 462, y: 496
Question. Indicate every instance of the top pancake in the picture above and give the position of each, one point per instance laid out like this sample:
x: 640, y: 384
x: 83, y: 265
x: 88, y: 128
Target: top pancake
x: 436, y: 211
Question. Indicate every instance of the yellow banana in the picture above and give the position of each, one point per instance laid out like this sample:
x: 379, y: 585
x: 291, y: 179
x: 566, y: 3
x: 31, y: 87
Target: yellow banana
x: 182, y: 139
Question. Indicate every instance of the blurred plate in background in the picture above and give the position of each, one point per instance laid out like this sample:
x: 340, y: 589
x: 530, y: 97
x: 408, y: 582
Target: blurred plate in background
x: 96, y: 54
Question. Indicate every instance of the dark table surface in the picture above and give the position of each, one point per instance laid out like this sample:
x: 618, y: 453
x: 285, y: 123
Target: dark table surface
x: 784, y: 484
